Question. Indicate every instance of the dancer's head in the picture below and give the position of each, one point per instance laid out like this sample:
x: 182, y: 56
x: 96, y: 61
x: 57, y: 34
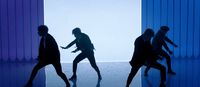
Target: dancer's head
x: 148, y: 34
x: 76, y: 32
x: 42, y: 30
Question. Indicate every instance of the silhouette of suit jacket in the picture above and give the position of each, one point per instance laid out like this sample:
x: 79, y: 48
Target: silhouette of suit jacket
x: 84, y: 43
x: 143, y: 50
x: 160, y: 40
x: 48, y: 50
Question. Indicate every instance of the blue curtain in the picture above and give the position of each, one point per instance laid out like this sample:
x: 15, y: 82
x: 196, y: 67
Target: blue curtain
x: 19, y: 20
x: 183, y: 19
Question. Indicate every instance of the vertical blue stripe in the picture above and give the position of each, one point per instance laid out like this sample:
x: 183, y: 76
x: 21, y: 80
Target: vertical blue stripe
x: 7, y: 32
x: 16, y: 58
x: 11, y: 30
x: 190, y: 29
x: 163, y: 12
x: 34, y: 28
x: 0, y: 36
x: 150, y: 13
x: 153, y: 21
x: 27, y: 32
x: 144, y: 15
x: 23, y: 30
x: 193, y: 46
x: 197, y: 28
x: 183, y: 27
x: 4, y: 29
x: 170, y: 21
x: 173, y: 27
x: 38, y: 23
x: 186, y: 28
x: 31, y: 43
x: 180, y: 32
x: 19, y: 29
x: 156, y: 17
x: 177, y: 26
x: 41, y: 11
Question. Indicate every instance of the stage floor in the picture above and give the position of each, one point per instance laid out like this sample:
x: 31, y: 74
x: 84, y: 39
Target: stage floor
x: 114, y: 74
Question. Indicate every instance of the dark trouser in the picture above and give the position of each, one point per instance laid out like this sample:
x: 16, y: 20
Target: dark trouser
x: 155, y: 65
x: 168, y: 59
x: 162, y: 69
x: 57, y: 67
x: 134, y: 70
x: 91, y: 58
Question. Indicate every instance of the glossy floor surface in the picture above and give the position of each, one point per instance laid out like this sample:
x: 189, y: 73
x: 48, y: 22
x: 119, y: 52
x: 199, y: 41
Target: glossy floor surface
x: 114, y: 74
x: 187, y: 74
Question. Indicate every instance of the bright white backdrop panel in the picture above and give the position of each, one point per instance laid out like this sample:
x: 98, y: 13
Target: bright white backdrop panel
x: 112, y: 25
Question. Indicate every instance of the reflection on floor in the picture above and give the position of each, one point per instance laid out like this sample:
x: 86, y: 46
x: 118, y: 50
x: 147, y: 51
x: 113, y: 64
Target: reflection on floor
x: 187, y: 74
x: 113, y: 74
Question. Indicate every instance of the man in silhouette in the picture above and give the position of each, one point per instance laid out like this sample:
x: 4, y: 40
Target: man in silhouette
x: 160, y: 40
x: 83, y: 43
x: 143, y: 52
x: 48, y: 54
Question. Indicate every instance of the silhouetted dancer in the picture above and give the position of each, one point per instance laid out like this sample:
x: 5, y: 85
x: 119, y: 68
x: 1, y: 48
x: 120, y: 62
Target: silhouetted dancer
x: 48, y: 54
x: 158, y: 42
x: 83, y: 44
x: 143, y: 52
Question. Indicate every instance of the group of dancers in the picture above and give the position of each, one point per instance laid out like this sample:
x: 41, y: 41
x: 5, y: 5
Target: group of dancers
x: 145, y: 53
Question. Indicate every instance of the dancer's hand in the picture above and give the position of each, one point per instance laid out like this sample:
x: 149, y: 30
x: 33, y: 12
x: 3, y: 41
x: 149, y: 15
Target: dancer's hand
x: 75, y: 51
x: 63, y: 47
